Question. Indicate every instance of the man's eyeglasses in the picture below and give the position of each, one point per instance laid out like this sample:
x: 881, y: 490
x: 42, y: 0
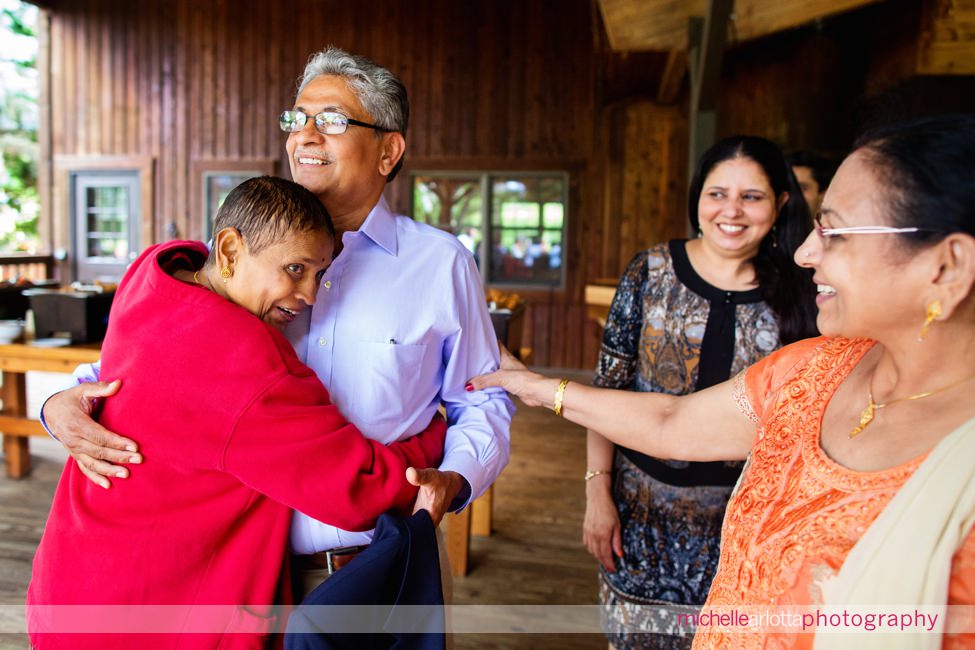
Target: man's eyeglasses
x: 326, y: 122
x: 826, y: 233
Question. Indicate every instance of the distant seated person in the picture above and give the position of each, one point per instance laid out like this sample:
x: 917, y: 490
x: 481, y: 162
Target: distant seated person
x: 235, y: 432
x: 814, y: 172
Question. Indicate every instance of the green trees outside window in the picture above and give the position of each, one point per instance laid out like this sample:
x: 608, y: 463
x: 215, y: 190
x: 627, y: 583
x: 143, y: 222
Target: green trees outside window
x: 513, y: 223
x: 19, y: 202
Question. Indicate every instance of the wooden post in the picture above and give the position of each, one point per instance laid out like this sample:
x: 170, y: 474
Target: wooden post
x: 705, y: 45
x: 16, y: 449
x: 670, y: 81
x: 482, y: 510
x: 458, y: 541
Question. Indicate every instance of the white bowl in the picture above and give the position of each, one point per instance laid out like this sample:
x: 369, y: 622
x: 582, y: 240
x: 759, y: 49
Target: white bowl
x: 10, y: 330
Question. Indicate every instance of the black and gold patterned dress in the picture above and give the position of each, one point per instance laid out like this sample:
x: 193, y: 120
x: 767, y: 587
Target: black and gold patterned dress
x: 669, y: 331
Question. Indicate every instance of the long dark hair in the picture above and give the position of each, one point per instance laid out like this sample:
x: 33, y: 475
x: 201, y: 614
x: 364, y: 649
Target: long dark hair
x: 786, y: 288
x: 928, y: 169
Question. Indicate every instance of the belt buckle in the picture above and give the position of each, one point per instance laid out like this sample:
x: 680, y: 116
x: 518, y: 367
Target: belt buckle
x: 330, y: 556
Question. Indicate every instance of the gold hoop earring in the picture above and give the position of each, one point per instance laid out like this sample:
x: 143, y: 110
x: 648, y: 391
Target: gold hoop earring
x: 225, y: 273
x: 931, y: 313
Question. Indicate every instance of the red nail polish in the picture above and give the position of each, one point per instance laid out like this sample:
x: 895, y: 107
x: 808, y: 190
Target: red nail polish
x: 468, y: 387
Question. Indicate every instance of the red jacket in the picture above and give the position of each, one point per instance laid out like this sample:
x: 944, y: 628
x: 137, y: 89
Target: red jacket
x: 235, y: 432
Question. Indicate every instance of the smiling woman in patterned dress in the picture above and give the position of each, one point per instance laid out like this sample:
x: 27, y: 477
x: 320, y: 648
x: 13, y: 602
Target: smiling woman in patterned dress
x: 688, y: 315
x: 860, y: 480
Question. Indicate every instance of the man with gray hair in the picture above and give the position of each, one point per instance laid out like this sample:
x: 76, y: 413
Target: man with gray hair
x: 400, y: 322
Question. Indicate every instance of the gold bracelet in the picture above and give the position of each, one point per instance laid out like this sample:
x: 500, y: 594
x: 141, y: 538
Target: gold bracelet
x: 559, y: 394
x: 593, y: 473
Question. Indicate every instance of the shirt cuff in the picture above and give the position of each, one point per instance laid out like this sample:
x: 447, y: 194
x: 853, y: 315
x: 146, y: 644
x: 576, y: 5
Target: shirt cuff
x: 44, y: 422
x: 462, y: 499
x: 472, y: 473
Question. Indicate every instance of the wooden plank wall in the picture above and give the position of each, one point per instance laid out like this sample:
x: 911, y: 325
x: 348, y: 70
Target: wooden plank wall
x: 946, y: 45
x: 790, y: 90
x: 645, y: 196
x: 820, y: 86
x: 494, y: 84
x: 500, y: 84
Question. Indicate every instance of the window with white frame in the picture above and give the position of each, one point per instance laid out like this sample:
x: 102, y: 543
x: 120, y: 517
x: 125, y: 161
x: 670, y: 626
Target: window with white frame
x: 512, y: 222
x: 106, y: 217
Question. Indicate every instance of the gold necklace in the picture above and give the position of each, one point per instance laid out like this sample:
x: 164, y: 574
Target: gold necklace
x: 866, y: 416
x: 196, y: 278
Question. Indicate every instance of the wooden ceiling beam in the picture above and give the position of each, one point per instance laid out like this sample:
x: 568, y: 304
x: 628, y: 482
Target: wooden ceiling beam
x: 947, y: 41
x: 673, y: 76
x: 707, y: 40
x: 661, y: 25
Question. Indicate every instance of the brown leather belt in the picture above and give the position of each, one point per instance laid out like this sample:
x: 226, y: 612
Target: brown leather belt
x: 331, y: 560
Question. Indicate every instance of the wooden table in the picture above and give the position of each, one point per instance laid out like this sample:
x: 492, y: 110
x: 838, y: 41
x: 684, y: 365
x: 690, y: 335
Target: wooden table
x: 15, y: 360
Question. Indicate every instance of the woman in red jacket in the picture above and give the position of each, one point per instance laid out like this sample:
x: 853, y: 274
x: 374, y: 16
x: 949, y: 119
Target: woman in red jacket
x: 192, y: 547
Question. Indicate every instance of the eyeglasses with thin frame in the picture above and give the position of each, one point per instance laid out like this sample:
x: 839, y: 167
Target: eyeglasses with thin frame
x: 326, y: 122
x: 826, y: 233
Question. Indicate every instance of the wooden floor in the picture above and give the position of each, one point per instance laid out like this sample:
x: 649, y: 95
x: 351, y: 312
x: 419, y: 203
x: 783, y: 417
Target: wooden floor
x: 23, y: 510
x: 534, y: 556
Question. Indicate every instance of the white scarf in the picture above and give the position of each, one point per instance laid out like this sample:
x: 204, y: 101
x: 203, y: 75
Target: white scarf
x: 904, y: 558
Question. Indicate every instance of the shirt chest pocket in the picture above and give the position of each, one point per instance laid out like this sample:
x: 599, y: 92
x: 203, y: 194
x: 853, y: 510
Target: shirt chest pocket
x: 388, y: 381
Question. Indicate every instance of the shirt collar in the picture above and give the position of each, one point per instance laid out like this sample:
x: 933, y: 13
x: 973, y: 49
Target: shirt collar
x: 380, y: 227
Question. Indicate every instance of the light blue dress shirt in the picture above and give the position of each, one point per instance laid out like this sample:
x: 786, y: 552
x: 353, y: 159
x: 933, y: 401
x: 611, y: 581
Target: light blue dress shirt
x: 399, y: 325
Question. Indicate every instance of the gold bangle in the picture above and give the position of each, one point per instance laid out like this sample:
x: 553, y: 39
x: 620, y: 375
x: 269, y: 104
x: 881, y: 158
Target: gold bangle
x: 559, y: 394
x: 593, y: 473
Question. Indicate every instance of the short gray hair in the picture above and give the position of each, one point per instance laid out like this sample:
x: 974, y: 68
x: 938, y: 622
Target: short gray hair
x: 381, y: 92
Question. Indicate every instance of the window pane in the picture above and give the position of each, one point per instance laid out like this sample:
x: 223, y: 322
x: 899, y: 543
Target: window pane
x: 426, y: 201
x: 527, y: 221
x: 216, y: 188
x: 552, y: 215
x: 107, y: 218
x: 451, y: 203
x: 518, y: 214
x: 518, y: 228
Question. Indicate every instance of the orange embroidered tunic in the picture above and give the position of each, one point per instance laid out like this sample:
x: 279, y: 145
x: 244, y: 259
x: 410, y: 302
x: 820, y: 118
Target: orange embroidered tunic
x: 796, y: 513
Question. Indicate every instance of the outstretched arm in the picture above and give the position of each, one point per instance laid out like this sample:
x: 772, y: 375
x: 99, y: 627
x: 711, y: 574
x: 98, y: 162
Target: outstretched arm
x: 702, y: 426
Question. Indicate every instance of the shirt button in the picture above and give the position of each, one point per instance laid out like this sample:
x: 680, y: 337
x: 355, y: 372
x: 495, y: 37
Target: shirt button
x: 322, y: 342
x: 328, y: 284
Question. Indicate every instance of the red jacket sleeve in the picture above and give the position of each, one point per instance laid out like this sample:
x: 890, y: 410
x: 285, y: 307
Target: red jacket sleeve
x: 426, y: 448
x: 291, y: 444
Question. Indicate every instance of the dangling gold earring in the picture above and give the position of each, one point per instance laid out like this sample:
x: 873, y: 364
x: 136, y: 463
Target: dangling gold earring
x: 225, y: 273
x: 931, y: 312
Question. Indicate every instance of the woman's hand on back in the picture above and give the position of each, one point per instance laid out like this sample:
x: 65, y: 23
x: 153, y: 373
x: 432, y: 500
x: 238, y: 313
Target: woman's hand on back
x: 68, y: 415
